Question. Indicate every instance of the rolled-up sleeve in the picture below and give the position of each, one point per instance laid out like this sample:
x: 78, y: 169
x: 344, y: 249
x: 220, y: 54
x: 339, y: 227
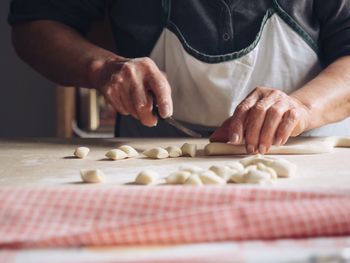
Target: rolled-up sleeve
x: 75, y: 13
x: 334, y: 18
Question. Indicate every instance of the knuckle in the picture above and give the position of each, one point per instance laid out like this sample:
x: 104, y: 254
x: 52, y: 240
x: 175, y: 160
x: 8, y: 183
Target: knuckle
x: 128, y: 69
x: 243, y: 107
x: 260, y: 107
x: 293, y: 115
x: 276, y: 111
x: 147, y: 62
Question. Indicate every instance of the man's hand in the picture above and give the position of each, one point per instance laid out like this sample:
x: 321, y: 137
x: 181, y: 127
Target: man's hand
x: 130, y: 87
x: 266, y: 117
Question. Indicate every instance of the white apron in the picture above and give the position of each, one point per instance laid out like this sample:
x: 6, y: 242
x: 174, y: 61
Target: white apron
x: 205, y: 94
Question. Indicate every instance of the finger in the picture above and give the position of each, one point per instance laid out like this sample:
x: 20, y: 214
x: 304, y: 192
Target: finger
x: 255, y: 120
x: 160, y: 87
x: 286, y: 127
x: 144, y: 103
x: 236, y: 124
x: 116, y: 101
x: 222, y: 133
x: 127, y: 100
x: 272, y: 120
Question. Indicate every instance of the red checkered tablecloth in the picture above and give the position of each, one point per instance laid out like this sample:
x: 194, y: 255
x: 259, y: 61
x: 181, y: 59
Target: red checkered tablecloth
x: 133, y: 215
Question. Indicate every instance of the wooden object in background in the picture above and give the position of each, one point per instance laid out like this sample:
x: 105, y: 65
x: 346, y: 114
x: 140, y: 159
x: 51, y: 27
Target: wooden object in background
x: 89, y: 116
x: 65, y: 111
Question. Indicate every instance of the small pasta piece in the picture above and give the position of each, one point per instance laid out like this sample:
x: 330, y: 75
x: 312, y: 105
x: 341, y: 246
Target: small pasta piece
x: 284, y: 168
x: 130, y: 151
x: 236, y: 165
x: 81, y: 152
x: 209, y: 177
x: 156, y: 153
x: 116, y: 154
x: 193, y: 180
x: 223, y: 171
x: 189, y: 149
x: 147, y: 177
x: 257, y: 177
x: 178, y: 177
x: 237, y: 178
x: 174, y: 151
x: 269, y: 170
x: 92, y: 176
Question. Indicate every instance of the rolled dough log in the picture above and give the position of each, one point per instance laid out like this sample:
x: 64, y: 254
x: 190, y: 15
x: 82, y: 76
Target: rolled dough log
x: 301, y: 145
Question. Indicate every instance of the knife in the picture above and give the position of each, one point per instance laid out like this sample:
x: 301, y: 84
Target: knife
x: 176, y: 124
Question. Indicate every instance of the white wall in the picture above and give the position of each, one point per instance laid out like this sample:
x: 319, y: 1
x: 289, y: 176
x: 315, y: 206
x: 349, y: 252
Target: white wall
x: 27, y: 102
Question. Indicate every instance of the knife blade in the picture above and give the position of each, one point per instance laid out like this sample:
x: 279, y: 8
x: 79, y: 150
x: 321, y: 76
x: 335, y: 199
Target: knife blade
x: 176, y: 124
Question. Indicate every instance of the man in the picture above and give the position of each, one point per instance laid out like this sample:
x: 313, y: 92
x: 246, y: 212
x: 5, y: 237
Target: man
x: 244, y: 70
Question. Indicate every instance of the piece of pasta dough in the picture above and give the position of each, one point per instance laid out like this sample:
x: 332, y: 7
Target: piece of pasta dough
x: 116, y: 154
x: 81, y: 152
x: 209, y: 177
x: 147, y: 177
x: 92, y: 176
x: 174, y: 151
x: 236, y: 166
x: 282, y: 167
x: 193, y: 180
x: 223, y: 171
x: 178, y: 177
x: 189, y: 149
x: 156, y: 153
x: 130, y: 151
x: 257, y: 177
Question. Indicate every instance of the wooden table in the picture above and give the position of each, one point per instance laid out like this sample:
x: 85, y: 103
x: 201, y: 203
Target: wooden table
x: 49, y: 162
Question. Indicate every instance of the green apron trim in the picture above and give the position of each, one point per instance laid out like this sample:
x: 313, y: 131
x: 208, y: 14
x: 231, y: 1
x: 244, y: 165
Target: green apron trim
x: 213, y: 59
x: 296, y: 27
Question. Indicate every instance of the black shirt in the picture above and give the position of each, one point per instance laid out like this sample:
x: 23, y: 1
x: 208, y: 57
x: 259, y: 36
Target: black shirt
x: 212, y: 27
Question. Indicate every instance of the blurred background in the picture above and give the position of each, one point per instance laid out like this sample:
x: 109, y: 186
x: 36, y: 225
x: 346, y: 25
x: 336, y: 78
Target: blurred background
x: 31, y: 106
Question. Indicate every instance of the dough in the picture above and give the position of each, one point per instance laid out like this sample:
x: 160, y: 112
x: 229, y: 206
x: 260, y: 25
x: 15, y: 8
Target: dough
x: 156, y: 153
x: 236, y: 166
x: 147, y: 177
x: 209, y: 177
x: 300, y: 145
x: 237, y: 178
x: 174, y: 151
x: 178, y: 177
x: 191, y: 168
x: 193, y: 180
x: 257, y: 177
x: 81, y: 152
x: 223, y: 171
x: 130, y: 151
x: 281, y: 167
x: 269, y: 170
x: 255, y: 159
x: 189, y: 149
x: 116, y: 154
x: 284, y: 168
x: 92, y: 176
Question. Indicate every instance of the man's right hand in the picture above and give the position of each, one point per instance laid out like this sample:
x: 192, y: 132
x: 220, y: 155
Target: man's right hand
x: 130, y: 87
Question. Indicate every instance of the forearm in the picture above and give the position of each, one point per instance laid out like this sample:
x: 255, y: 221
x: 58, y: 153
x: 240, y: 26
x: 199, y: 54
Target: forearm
x: 328, y: 95
x: 60, y: 53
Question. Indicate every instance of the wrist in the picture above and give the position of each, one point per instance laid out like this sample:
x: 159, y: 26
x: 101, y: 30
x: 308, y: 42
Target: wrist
x: 309, y: 111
